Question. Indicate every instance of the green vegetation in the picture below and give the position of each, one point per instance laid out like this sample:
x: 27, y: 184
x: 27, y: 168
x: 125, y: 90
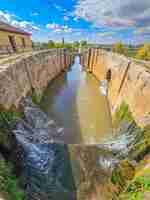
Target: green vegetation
x: 137, y: 189
x: 122, y: 113
x: 71, y: 46
x: 8, y: 182
x: 9, y: 186
x: 133, y: 182
x: 141, y: 52
x: 144, y: 52
x: 36, y: 96
x: 141, y: 145
x: 120, y: 48
x: 8, y: 120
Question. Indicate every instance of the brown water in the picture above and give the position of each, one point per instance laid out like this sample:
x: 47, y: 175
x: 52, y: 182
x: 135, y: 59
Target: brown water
x: 74, y: 101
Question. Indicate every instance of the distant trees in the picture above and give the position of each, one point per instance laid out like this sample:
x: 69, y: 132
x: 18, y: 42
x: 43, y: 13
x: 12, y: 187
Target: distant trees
x: 83, y: 43
x: 51, y: 44
x: 144, y: 52
x: 141, y: 52
x: 76, y: 44
x: 120, y: 48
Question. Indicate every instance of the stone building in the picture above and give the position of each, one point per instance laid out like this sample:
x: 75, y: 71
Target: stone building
x: 13, y: 39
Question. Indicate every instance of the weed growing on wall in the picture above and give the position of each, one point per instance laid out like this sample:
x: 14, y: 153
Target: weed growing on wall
x: 122, y: 114
x: 37, y: 96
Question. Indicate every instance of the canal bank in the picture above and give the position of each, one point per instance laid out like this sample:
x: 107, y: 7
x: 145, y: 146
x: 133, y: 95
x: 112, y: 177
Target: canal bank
x: 55, y: 165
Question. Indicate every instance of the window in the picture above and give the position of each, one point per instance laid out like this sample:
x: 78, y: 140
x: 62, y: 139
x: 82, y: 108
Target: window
x: 23, y: 42
x: 12, y: 43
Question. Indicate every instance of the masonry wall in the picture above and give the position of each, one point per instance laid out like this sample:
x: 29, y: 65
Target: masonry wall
x: 34, y: 71
x: 130, y: 81
x: 4, y: 41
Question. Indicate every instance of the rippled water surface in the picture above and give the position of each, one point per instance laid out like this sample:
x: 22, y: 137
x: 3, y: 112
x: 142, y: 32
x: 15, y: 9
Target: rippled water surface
x: 75, y: 102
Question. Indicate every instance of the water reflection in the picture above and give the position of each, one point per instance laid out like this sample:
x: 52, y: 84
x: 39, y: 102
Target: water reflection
x: 59, y: 160
x: 60, y: 171
x: 75, y: 102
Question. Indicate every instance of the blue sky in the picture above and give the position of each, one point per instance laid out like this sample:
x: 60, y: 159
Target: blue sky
x: 93, y: 20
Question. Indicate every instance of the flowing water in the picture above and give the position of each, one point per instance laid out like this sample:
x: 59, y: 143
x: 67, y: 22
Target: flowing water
x: 74, y: 100
x: 65, y: 157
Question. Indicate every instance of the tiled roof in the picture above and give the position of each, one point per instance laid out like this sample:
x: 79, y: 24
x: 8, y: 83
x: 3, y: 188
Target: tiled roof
x: 6, y: 27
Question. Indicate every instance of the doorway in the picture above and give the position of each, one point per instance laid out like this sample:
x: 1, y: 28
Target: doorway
x: 13, y: 43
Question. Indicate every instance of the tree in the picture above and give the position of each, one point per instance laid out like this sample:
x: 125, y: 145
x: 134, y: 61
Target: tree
x: 76, y: 44
x: 120, y: 48
x: 144, y: 52
x: 51, y: 44
x: 83, y: 43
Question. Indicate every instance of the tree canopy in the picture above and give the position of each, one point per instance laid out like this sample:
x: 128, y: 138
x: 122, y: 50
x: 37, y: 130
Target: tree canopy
x: 144, y: 52
x: 119, y: 47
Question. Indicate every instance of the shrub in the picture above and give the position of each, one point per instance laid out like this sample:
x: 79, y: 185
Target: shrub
x: 144, y: 52
x: 120, y: 48
x: 37, y: 96
x: 136, y: 190
x: 8, y: 183
x: 8, y: 120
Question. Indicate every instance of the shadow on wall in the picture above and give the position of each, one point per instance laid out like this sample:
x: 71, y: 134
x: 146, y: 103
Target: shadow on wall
x: 109, y: 75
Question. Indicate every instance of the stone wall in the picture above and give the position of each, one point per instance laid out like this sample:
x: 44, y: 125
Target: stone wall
x: 20, y: 75
x: 130, y: 81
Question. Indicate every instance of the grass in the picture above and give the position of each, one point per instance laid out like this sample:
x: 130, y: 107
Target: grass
x: 136, y: 190
x: 142, y: 144
x: 8, y: 120
x: 36, y: 96
x: 122, y: 114
x: 9, y: 186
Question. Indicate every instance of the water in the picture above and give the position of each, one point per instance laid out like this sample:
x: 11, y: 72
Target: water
x: 54, y: 171
x: 64, y: 153
x: 74, y: 100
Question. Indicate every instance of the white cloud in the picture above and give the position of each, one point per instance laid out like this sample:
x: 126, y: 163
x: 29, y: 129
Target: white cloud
x: 59, y: 8
x: 6, y: 17
x: 116, y: 13
x: 142, y: 31
x: 59, y: 28
x: 35, y: 14
x: 66, y: 18
x: 13, y: 20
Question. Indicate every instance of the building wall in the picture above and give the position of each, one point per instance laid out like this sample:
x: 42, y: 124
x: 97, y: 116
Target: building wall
x: 5, y: 43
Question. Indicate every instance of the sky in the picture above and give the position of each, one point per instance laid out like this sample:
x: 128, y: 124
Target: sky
x: 97, y: 21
